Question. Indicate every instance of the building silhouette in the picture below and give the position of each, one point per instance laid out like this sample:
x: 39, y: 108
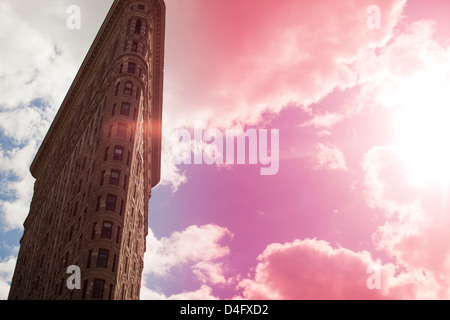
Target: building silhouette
x: 96, y: 166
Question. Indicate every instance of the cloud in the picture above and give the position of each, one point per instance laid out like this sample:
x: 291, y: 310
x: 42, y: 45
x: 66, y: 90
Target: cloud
x: 17, y: 185
x: 41, y: 56
x: 6, y: 272
x: 209, y: 272
x: 268, y: 58
x: 312, y: 269
x: 387, y: 181
x: 408, y: 73
x: 193, y: 244
x: 330, y: 158
x: 204, y: 293
x: 170, y: 174
x: 326, y: 120
x: 199, y: 248
x: 417, y: 221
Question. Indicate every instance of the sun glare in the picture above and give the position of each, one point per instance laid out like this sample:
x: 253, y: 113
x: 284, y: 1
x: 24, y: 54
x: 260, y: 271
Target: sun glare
x: 422, y: 125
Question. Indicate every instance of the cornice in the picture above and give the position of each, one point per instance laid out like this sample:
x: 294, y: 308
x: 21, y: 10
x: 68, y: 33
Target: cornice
x: 157, y: 101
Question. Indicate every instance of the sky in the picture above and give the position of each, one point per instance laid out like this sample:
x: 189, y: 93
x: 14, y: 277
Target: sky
x: 357, y: 93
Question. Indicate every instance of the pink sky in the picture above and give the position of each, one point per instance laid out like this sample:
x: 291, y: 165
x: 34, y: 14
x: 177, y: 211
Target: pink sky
x: 361, y: 182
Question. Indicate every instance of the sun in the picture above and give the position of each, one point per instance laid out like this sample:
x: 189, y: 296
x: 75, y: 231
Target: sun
x: 422, y: 128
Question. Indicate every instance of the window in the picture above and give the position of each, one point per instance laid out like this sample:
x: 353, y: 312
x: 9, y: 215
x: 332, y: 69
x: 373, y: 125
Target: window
x: 138, y: 26
x: 111, y: 291
x: 134, y: 47
x: 128, y: 158
x: 115, y: 177
x: 138, y: 93
x: 121, y: 68
x: 106, y: 230
x: 131, y: 67
x: 141, y: 7
x: 98, y: 203
x: 89, y: 257
x: 128, y: 89
x: 114, y: 263
x: 110, y: 131
x: 125, y: 183
x: 118, y: 153
x: 102, y: 177
x: 119, y: 234
x: 97, y: 292
x: 105, y: 157
x: 83, y: 295
x: 111, y: 202
x: 122, y: 204
x: 94, y: 227
x: 125, y: 109
x: 122, y: 130
x: 113, y: 110
x: 102, y: 259
x: 132, y: 135
x: 117, y: 88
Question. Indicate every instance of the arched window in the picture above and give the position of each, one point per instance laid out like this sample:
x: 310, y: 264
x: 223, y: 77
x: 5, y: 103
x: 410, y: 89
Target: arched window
x: 137, y: 29
x: 128, y: 89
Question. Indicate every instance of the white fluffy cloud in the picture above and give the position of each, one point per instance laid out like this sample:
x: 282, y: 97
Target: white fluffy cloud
x: 204, y: 293
x: 199, y: 248
x: 312, y: 269
x: 6, y: 272
x: 190, y: 245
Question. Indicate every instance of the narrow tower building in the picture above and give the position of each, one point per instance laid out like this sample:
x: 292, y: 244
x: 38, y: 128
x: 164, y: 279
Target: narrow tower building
x: 97, y: 165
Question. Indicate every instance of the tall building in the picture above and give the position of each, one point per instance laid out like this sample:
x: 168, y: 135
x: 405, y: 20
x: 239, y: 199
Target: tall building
x: 96, y: 166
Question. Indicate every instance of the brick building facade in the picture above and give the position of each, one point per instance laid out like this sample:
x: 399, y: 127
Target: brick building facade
x: 96, y: 166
